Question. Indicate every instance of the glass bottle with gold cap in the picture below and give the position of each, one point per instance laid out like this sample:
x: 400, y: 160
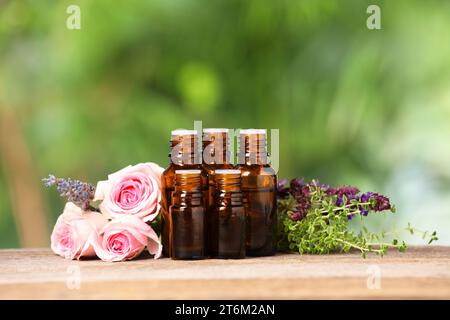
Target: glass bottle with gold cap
x: 184, y: 154
x: 259, y: 185
x: 187, y: 216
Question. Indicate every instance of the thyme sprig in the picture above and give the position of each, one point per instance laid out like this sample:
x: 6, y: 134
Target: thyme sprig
x: 314, y: 219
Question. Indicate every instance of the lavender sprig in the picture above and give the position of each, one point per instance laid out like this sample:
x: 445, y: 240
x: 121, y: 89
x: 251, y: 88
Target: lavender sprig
x: 79, y: 192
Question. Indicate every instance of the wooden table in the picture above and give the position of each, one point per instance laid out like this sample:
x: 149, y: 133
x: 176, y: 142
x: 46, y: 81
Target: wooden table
x: 422, y: 272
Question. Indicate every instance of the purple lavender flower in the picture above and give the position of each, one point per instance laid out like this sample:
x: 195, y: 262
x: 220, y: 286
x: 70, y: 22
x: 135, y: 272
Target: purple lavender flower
x: 348, y: 192
x: 50, y: 181
x: 331, y: 191
x: 351, y: 206
x: 365, y: 197
x: 297, y: 184
x: 281, y: 183
x: 303, y: 204
x: 300, y: 191
x: 345, y: 190
x: 381, y: 202
x: 298, y: 188
x: 296, y: 216
x: 316, y: 183
x: 282, y: 190
x: 78, y: 192
x: 363, y: 211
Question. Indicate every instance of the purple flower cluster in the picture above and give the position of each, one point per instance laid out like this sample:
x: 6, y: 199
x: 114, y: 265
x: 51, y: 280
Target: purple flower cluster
x: 282, y: 192
x: 377, y: 201
x: 78, y: 192
x: 300, y: 191
x: 347, y: 196
x: 345, y: 190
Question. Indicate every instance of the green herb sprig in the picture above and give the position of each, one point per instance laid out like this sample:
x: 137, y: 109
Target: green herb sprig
x: 315, y: 219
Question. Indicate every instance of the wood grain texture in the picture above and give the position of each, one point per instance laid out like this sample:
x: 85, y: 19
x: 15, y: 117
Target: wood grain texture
x: 422, y: 272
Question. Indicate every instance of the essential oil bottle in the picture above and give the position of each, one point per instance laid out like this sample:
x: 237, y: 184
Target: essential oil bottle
x: 259, y: 185
x: 187, y: 216
x: 216, y: 155
x: 184, y: 154
x: 227, y: 218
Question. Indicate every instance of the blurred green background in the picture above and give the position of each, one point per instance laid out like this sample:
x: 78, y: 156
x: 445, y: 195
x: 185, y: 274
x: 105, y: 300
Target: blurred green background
x: 355, y: 106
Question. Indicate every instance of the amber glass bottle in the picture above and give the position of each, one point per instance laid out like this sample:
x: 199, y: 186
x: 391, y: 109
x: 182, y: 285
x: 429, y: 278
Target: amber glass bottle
x: 227, y: 218
x: 184, y: 154
x: 258, y: 186
x: 187, y: 216
x: 216, y: 155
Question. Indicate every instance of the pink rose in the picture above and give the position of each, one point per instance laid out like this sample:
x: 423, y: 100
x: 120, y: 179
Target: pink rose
x: 75, y: 232
x: 125, y: 238
x: 134, y: 190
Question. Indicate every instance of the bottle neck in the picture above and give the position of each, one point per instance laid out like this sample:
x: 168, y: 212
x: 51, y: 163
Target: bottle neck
x: 184, y: 150
x: 187, y: 199
x: 227, y: 190
x: 187, y: 190
x: 227, y: 182
x: 216, y: 148
x: 253, y: 149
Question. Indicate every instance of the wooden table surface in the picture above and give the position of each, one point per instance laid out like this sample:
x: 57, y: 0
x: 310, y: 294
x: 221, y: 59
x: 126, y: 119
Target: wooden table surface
x: 422, y: 272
